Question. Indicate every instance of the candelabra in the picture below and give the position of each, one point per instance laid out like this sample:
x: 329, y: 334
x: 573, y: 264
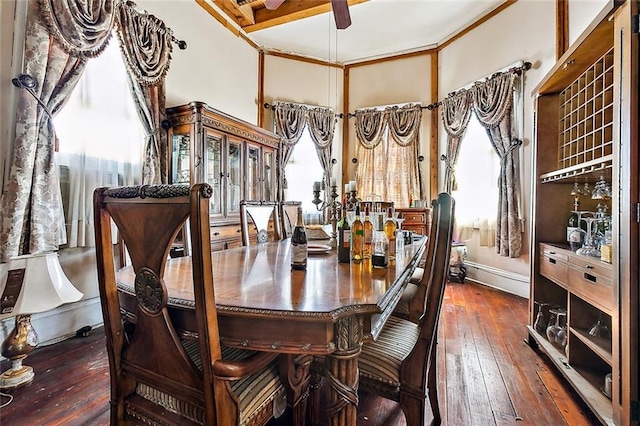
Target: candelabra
x: 334, y: 208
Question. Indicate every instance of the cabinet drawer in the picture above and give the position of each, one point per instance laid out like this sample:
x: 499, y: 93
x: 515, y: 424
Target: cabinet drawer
x: 591, y: 265
x: 225, y: 232
x: 592, y: 287
x: 414, y: 217
x: 418, y: 229
x: 554, y: 268
x: 554, y: 252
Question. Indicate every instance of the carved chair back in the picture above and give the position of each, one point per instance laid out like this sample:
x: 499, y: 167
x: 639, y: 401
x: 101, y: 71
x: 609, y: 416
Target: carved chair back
x: 160, y: 374
x: 259, y: 218
x: 288, y: 214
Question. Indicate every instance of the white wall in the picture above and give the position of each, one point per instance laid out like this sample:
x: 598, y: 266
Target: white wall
x: 581, y: 13
x: 388, y: 83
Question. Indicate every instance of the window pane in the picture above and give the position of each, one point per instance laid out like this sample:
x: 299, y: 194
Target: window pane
x: 477, y: 172
x: 301, y: 171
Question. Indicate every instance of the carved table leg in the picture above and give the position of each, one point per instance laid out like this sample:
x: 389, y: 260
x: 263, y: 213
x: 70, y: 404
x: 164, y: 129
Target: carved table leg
x: 342, y: 373
x: 294, y: 371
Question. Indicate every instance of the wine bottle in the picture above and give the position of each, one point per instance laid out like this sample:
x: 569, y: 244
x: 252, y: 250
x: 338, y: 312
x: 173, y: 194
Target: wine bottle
x: 390, y: 230
x: 299, y: 244
x: 344, y: 237
x: 368, y: 234
x: 357, y: 238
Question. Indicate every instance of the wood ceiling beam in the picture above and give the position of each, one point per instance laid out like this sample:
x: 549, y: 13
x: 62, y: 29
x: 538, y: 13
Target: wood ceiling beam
x: 242, y: 15
x: 289, y: 11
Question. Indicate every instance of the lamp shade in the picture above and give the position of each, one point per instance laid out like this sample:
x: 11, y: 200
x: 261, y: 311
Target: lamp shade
x: 34, y: 283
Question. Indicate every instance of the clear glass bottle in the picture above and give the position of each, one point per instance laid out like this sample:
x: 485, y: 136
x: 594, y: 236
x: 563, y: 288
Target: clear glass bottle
x: 344, y: 237
x: 368, y: 233
x: 299, y: 244
x: 390, y: 229
x: 380, y: 253
x: 357, y: 238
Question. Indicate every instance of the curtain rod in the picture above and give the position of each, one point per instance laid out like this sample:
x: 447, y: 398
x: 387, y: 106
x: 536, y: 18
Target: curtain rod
x: 517, y: 70
x: 273, y: 107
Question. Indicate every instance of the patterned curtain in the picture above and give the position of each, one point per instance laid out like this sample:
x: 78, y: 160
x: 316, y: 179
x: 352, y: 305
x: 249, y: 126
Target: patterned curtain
x: 31, y: 217
x: 370, y: 125
x: 146, y: 47
x: 493, y: 105
x: 456, y: 112
x: 322, y: 124
x: 404, y: 129
x: 290, y: 120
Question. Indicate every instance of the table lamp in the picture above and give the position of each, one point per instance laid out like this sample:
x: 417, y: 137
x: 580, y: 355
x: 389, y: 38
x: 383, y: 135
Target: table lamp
x: 29, y: 284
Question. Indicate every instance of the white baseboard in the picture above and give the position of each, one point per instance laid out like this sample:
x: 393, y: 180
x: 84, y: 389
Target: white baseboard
x: 498, y: 278
x: 61, y: 323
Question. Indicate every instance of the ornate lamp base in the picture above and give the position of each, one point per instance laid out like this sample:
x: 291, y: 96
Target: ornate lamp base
x: 18, y: 344
x: 17, y: 375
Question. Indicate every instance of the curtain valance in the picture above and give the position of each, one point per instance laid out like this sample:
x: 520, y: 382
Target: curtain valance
x: 402, y: 122
x: 146, y: 43
x: 81, y: 27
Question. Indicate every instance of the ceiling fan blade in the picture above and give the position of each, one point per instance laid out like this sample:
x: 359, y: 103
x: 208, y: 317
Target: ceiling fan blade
x: 341, y: 13
x: 273, y: 4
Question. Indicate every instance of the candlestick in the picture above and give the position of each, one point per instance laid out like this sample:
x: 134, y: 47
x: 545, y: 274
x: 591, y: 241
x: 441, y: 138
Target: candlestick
x: 334, y: 211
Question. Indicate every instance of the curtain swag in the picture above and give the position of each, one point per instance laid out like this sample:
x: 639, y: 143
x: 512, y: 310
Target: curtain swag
x: 81, y: 27
x: 146, y: 44
x: 403, y: 124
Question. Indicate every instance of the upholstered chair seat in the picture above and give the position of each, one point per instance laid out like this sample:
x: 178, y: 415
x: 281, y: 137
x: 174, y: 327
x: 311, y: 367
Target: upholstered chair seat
x: 380, y: 361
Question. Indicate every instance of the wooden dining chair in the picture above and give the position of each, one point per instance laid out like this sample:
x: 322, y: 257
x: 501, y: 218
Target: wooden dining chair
x: 288, y: 214
x: 259, y: 221
x: 409, y: 306
x: 401, y: 364
x: 159, y: 373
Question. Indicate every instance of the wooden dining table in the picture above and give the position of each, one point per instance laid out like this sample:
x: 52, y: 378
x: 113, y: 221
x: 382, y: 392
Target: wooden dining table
x: 329, y: 310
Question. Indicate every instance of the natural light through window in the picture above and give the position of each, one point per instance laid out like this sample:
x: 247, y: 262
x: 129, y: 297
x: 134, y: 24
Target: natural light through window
x: 100, y: 141
x: 301, y: 171
x: 477, y: 172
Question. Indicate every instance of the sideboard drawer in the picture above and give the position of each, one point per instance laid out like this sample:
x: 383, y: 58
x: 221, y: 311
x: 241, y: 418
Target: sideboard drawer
x: 592, y: 287
x: 417, y: 220
x: 554, y: 268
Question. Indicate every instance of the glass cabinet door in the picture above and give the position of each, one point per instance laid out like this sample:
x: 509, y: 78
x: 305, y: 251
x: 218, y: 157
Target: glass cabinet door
x: 180, y: 157
x: 253, y: 173
x: 268, y: 175
x: 213, y: 171
x: 234, y: 176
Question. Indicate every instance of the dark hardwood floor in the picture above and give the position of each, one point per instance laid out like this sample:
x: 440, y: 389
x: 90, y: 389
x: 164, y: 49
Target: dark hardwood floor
x: 487, y: 374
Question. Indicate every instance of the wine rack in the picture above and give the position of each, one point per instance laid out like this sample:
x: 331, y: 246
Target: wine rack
x: 586, y: 115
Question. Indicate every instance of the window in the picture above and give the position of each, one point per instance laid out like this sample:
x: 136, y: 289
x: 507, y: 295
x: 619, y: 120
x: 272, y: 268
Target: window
x: 301, y: 171
x: 476, y: 174
x: 100, y: 141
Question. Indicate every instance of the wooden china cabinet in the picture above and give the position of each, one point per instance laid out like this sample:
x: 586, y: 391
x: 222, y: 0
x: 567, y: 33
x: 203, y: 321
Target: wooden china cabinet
x: 236, y: 158
x: 585, y: 131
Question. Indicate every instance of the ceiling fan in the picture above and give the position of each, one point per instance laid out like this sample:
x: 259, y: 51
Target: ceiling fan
x: 340, y: 11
